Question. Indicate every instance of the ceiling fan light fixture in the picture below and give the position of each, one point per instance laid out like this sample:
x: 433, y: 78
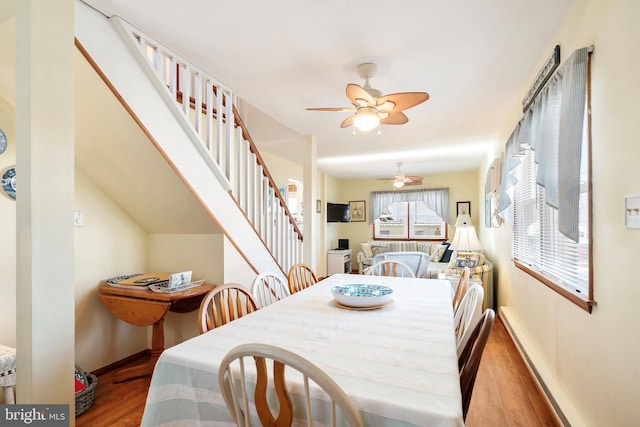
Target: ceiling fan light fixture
x: 398, y: 183
x: 366, y: 118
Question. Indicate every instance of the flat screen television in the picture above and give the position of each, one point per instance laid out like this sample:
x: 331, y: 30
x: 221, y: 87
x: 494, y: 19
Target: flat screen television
x: 337, y: 212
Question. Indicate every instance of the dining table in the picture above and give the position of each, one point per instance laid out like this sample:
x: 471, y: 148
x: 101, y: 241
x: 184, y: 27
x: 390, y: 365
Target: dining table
x: 398, y: 362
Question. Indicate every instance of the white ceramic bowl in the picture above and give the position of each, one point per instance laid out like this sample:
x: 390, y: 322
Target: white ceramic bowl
x: 358, y: 295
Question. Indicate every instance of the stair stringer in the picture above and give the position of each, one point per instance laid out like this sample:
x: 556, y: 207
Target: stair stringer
x: 121, y: 72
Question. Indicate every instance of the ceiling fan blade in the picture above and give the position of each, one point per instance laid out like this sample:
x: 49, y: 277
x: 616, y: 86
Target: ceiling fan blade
x: 347, y: 122
x: 330, y: 109
x: 395, y: 117
x: 387, y: 106
x: 358, y: 95
x: 404, y: 100
x: 412, y: 178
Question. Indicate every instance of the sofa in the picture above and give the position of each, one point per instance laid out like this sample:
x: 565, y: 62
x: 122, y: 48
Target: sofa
x: 442, y: 260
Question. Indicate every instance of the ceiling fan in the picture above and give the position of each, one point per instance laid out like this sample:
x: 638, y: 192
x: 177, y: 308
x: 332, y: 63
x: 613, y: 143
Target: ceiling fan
x: 371, y: 108
x: 400, y: 179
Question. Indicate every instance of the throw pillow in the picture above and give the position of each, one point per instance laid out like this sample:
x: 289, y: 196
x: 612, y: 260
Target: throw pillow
x: 437, y: 252
x: 446, y: 257
x: 366, y: 249
x: 378, y: 249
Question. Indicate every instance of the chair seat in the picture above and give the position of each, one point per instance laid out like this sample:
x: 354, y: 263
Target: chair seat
x: 7, y: 372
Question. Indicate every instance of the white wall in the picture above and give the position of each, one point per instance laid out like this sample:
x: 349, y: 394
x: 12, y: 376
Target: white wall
x: 591, y: 362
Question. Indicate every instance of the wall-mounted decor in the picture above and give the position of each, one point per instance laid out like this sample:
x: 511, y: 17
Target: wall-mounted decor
x: 3, y: 141
x: 463, y: 208
x: 357, y: 211
x: 8, y: 182
x: 492, y: 192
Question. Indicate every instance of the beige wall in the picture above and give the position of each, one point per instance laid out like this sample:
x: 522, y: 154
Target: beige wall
x: 591, y: 362
x: 109, y: 244
x: 462, y: 187
x: 202, y: 254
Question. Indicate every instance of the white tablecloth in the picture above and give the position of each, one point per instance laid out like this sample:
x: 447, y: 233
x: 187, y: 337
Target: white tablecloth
x: 398, y: 363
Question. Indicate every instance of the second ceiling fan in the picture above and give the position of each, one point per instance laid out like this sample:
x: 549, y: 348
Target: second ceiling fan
x: 371, y: 108
x: 400, y: 179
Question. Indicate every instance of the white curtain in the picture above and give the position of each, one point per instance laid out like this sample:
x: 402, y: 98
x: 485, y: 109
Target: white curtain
x: 553, y: 127
x: 437, y: 199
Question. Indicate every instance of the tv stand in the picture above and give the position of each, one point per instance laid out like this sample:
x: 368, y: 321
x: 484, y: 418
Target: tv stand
x: 338, y: 261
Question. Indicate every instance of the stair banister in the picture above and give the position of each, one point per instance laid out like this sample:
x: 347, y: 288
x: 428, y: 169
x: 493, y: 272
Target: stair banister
x: 198, y: 99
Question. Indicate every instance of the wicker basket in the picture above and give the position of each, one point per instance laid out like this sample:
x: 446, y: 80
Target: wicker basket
x: 86, y: 396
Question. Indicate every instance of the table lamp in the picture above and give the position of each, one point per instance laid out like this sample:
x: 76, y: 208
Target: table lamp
x: 465, y: 238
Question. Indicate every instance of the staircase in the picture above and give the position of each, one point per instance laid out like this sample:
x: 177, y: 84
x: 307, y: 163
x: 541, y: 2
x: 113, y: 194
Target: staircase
x: 191, y: 118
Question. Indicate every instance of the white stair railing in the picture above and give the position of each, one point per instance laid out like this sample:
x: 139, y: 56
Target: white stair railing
x: 205, y: 107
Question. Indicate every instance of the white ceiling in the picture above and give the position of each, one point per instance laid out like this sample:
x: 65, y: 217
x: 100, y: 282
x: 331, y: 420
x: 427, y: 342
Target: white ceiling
x: 476, y: 59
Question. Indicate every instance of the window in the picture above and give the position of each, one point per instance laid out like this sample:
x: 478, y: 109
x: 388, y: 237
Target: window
x: 409, y: 220
x: 538, y: 245
x: 412, y: 214
x: 547, y: 179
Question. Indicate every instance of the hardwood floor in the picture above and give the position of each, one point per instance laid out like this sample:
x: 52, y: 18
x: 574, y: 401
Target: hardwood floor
x: 504, y: 394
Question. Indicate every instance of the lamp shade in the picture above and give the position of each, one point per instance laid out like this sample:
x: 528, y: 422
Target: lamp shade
x: 465, y: 238
x: 366, y: 118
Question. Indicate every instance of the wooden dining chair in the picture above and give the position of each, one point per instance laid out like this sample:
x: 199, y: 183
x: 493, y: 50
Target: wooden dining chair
x: 224, y: 304
x: 389, y: 267
x: 468, y: 314
x: 469, y: 359
x: 268, y: 288
x: 300, y: 277
x: 316, y: 387
x: 461, y: 288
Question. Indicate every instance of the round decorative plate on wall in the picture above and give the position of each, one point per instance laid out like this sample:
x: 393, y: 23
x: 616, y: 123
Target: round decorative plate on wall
x: 3, y: 141
x: 8, y: 182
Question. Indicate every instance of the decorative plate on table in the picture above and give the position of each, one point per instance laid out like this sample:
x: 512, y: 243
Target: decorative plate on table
x: 3, y: 141
x: 8, y: 182
x: 362, y: 295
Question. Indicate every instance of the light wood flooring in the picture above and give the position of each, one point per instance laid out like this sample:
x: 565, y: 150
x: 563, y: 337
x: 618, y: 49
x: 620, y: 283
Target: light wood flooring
x: 504, y: 393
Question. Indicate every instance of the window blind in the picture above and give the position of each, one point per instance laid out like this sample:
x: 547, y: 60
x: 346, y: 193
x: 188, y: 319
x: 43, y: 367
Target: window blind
x: 537, y: 242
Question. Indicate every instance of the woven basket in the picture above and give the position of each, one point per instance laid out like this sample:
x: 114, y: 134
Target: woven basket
x: 86, y: 396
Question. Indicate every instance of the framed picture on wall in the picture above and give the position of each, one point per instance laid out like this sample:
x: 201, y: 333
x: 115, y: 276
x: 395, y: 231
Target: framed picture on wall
x: 357, y: 211
x: 463, y: 208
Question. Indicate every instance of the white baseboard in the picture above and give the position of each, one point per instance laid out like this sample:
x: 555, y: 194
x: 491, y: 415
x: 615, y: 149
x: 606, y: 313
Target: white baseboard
x: 511, y: 328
